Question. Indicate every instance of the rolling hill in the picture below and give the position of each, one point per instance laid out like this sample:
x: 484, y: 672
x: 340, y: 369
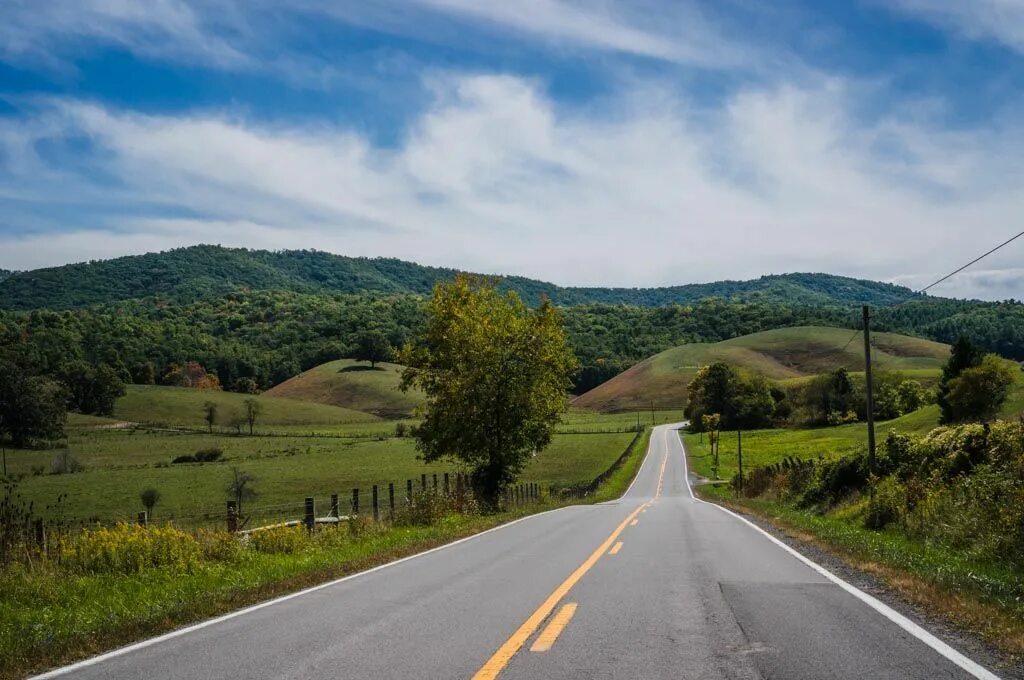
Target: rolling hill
x: 208, y: 271
x: 783, y: 354
x: 183, y: 407
x: 352, y: 385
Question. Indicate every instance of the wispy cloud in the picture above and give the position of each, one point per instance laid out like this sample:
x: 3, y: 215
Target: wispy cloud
x: 497, y: 177
x: 999, y: 20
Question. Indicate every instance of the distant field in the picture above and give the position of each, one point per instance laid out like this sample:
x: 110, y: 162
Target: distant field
x: 183, y: 407
x: 786, y: 354
x: 353, y: 385
x: 120, y: 462
x: 764, y: 447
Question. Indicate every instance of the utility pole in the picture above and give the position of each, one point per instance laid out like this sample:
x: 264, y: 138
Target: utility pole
x: 739, y: 450
x: 870, y: 395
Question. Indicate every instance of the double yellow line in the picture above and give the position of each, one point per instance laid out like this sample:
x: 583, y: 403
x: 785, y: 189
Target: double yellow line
x: 500, y: 659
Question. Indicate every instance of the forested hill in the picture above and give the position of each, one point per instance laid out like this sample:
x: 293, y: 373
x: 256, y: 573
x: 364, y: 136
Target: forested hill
x: 204, y: 271
x: 5, y: 274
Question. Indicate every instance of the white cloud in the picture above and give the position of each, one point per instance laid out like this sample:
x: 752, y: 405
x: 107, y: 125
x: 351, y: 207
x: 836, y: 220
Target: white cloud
x: 42, y: 31
x: 496, y: 177
x: 1000, y: 20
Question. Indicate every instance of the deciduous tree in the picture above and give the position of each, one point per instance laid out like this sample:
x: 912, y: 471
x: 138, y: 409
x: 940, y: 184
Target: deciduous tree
x: 495, y: 374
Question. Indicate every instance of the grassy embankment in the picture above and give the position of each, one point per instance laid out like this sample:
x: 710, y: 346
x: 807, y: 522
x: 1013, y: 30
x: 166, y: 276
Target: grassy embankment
x: 982, y: 595
x: 52, y: 614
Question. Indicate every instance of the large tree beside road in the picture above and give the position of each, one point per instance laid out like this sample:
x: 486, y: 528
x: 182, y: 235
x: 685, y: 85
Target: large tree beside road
x: 496, y: 375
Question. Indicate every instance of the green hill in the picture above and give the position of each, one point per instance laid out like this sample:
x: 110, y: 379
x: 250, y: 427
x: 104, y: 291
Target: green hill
x: 206, y: 271
x: 785, y: 354
x: 352, y: 385
x: 183, y: 407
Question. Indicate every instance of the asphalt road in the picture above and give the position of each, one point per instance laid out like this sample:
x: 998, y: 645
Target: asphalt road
x: 655, y: 585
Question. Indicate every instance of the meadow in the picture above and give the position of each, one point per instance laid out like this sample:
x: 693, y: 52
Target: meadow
x: 295, y: 461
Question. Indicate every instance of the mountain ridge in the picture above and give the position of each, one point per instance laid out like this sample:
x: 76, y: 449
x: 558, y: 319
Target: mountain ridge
x: 206, y: 270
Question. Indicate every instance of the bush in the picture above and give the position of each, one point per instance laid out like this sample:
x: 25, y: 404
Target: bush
x: 219, y: 546
x: 887, y: 506
x: 129, y: 548
x: 401, y: 429
x: 65, y: 463
x: 280, y: 540
x: 210, y: 455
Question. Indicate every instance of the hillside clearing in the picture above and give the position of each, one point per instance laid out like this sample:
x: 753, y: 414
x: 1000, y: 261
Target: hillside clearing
x: 785, y: 354
x: 353, y: 385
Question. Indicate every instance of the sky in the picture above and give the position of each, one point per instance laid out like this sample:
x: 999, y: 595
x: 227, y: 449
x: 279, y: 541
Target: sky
x: 599, y: 143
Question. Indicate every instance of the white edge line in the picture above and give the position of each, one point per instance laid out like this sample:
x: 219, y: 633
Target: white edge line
x: 277, y: 600
x: 142, y: 644
x: 650, y: 443
x: 968, y: 665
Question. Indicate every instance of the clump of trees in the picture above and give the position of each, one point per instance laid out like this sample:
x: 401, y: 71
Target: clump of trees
x: 974, y: 384
x: 742, y: 399
x: 495, y: 373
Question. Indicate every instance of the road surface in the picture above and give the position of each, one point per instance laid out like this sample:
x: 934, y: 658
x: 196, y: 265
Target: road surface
x: 655, y: 585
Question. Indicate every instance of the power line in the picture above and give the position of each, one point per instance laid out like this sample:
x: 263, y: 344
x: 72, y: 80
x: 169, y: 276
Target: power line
x: 977, y: 259
x: 852, y: 338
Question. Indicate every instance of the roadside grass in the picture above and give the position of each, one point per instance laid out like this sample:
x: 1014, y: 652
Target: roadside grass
x: 982, y: 597
x: 49, y: 616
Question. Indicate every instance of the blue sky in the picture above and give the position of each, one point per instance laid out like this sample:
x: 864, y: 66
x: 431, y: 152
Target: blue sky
x: 587, y: 143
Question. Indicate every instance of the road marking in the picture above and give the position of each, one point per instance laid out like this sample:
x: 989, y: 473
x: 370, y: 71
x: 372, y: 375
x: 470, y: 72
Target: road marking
x: 548, y: 636
x: 615, y: 548
x: 499, y: 660
x: 634, y: 523
x: 970, y: 666
x: 277, y: 600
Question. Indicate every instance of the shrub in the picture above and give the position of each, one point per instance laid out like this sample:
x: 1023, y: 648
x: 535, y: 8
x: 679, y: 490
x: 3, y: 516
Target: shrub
x: 210, y: 455
x: 280, y: 540
x: 129, y: 548
x: 887, y: 506
x: 65, y: 463
x: 219, y: 546
x: 401, y: 429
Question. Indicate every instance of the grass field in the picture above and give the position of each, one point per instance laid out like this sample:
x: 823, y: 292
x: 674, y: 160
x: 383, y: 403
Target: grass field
x: 353, y: 385
x: 120, y: 462
x: 183, y: 407
x: 785, y: 354
x: 765, y: 447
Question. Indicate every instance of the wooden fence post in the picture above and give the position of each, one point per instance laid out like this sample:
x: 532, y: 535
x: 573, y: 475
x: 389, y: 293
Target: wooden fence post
x: 40, y: 535
x: 376, y: 508
x: 310, y: 518
x: 232, y: 516
x: 447, y: 489
x: 143, y: 519
x: 408, y: 491
x: 423, y: 482
x: 355, y: 501
x: 435, y: 482
x: 391, y: 499
x: 335, y: 509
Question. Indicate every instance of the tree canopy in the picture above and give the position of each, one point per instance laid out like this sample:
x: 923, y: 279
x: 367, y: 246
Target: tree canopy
x: 495, y: 374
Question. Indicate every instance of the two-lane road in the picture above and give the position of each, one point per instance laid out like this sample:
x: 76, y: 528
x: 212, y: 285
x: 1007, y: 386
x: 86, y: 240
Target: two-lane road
x: 657, y: 585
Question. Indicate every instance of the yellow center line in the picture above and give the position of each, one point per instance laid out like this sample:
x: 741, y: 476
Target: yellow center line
x: 558, y: 623
x: 497, y: 663
x: 615, y: 548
